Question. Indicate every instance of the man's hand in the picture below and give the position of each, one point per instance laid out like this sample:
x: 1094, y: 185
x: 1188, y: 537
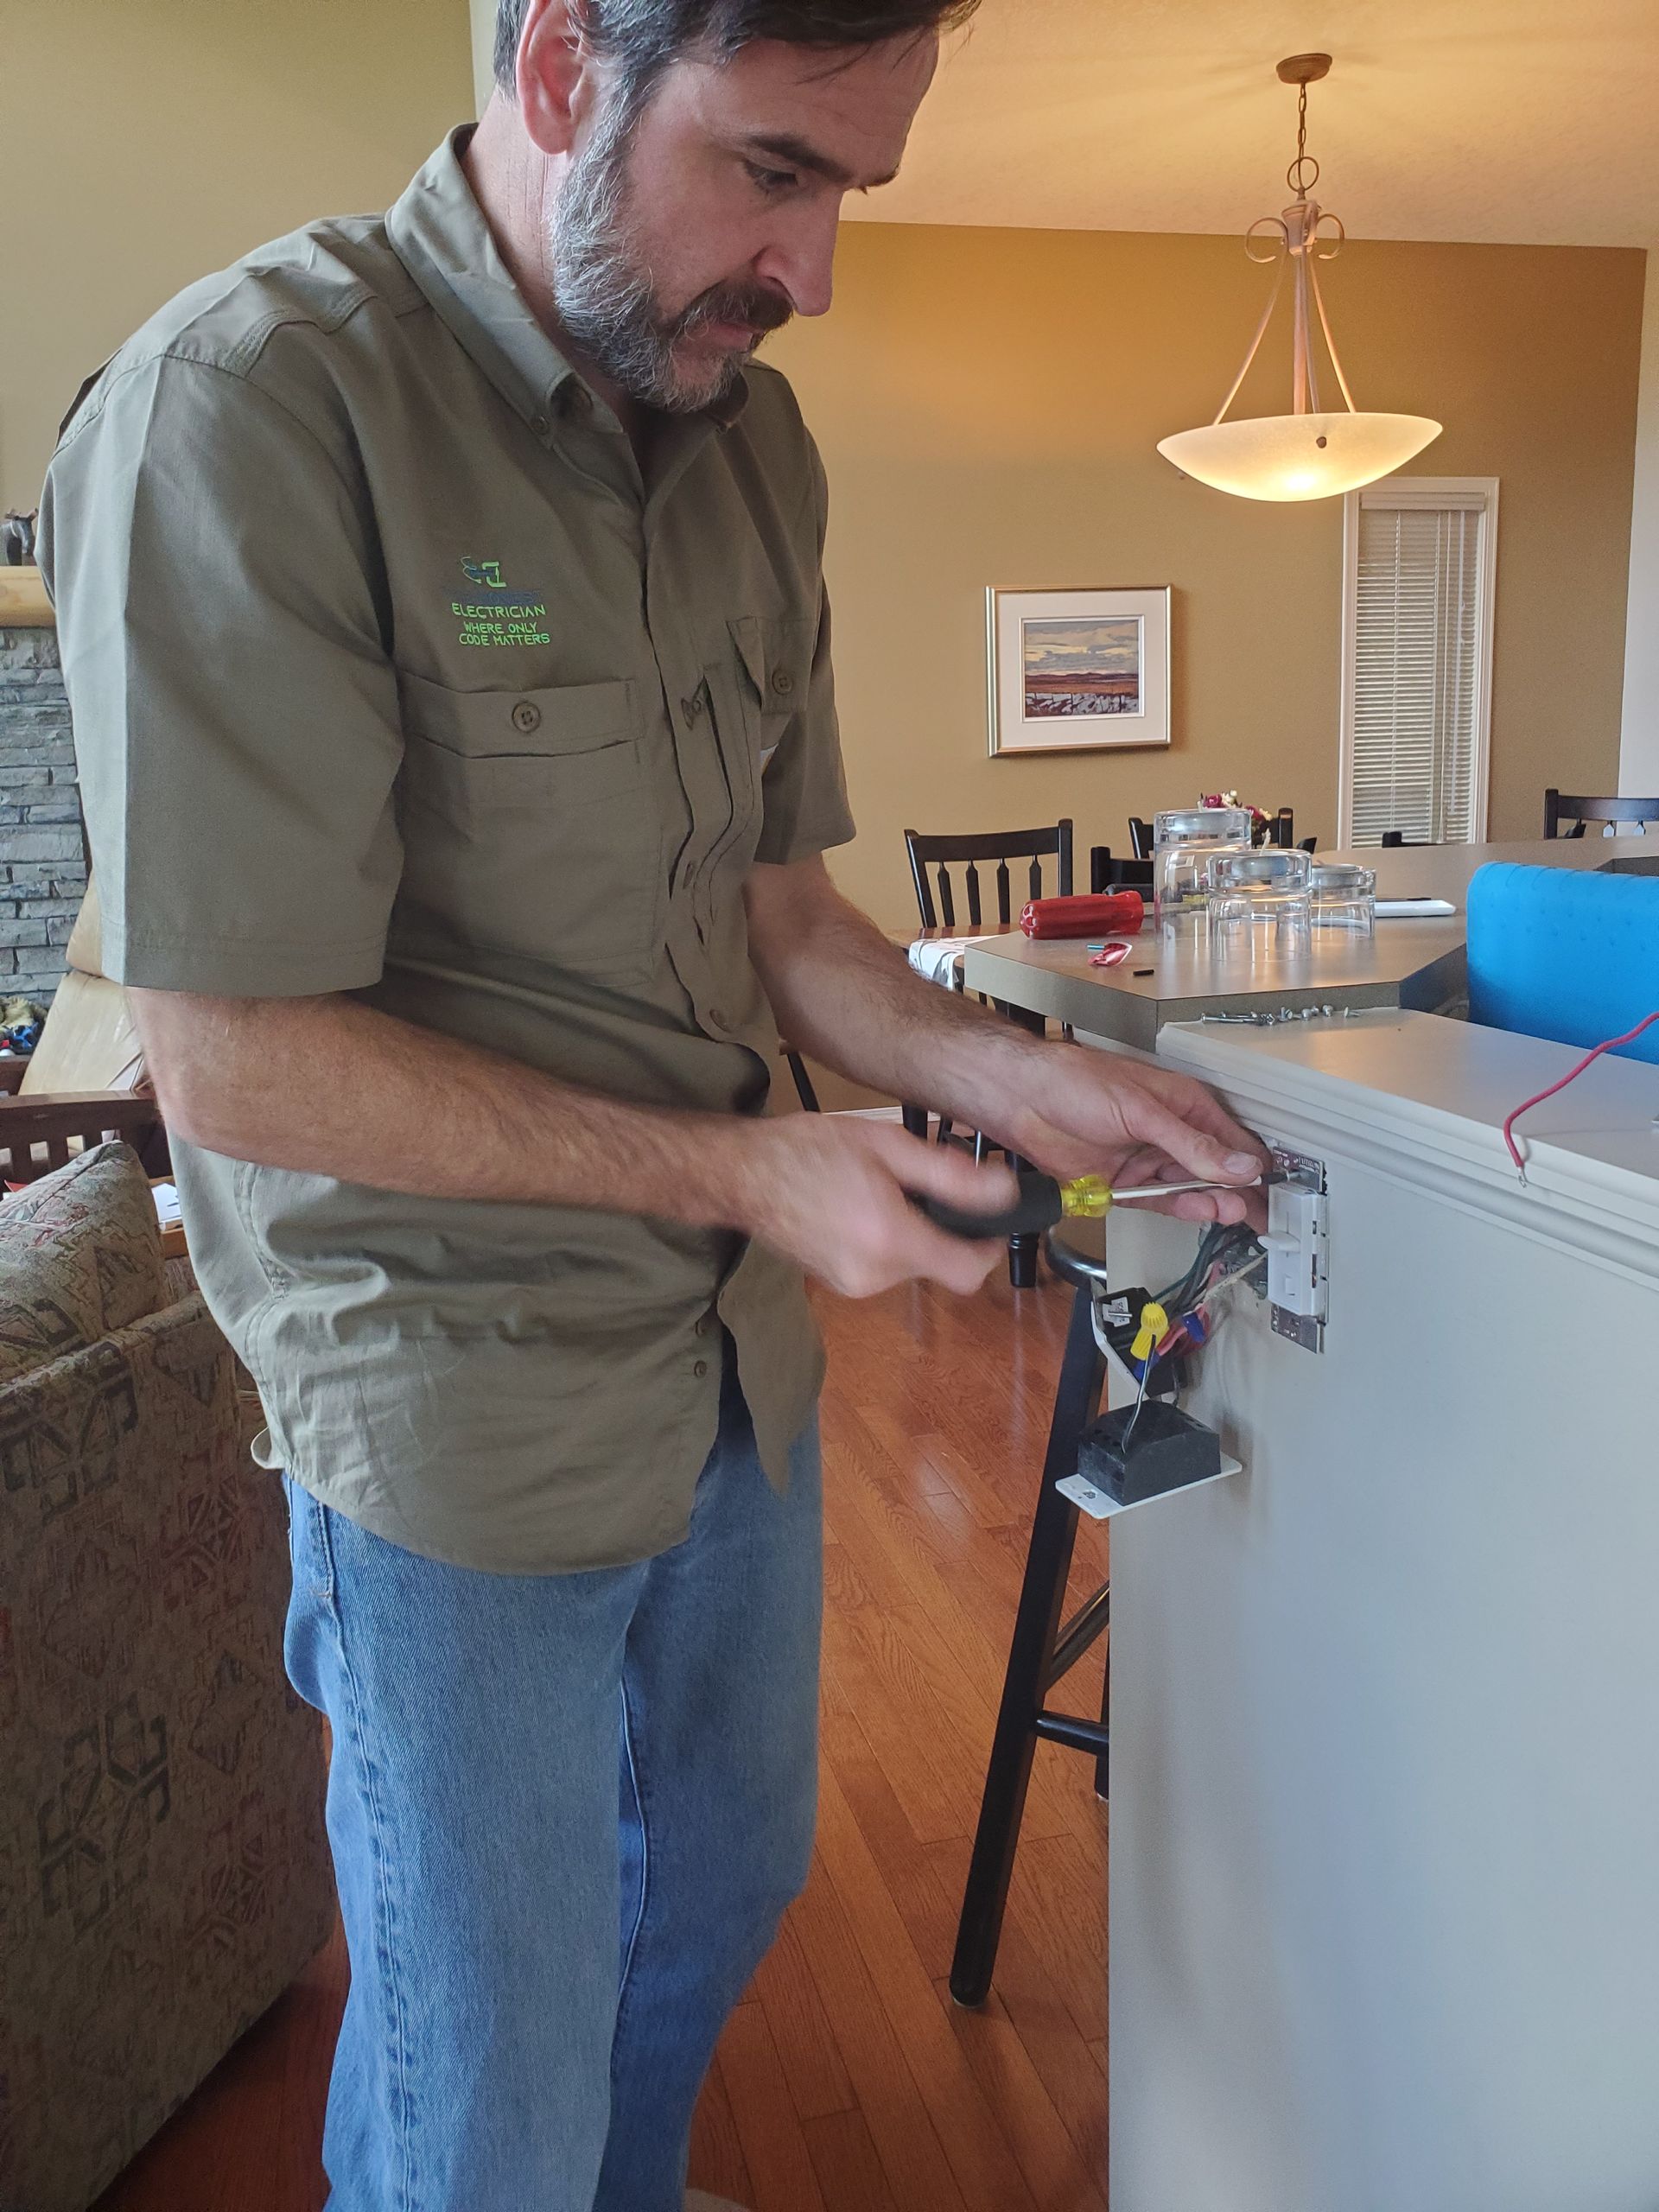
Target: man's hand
x: 834, y: 1194
x: 842, y: 993
x: 1078, y: 1112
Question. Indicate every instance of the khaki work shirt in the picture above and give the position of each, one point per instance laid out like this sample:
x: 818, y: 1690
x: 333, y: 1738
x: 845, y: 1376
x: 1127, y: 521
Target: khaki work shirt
x: 392, y: 675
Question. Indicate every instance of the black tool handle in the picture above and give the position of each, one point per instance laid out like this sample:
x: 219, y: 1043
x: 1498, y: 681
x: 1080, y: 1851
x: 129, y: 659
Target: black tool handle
x: 1037, y: 1207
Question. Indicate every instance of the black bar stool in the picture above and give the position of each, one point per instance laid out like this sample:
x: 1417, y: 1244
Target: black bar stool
x: 1043, y: 1648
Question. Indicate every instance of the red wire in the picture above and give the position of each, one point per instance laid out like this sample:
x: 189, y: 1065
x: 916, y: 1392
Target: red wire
x: 1612, y: 1045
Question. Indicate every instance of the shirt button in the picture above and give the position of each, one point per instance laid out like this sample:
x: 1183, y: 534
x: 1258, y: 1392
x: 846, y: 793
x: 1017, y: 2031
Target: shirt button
x: 718, y: 1018
x: 781, y: 681
x: 540, y: 424
x: 700, y: 1328
x: 701, y: 1370
x: 526, y: 717
x: 692, y: 708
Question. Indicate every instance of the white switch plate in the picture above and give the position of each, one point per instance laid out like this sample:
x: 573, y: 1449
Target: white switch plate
x: 1100, y: 1505
x: 1298, y: 1244
x: 1296, y: 1249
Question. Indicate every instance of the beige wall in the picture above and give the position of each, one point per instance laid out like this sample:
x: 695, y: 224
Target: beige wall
x: 1639, y: 753
x: 147, y: 142
x: 988, y: 402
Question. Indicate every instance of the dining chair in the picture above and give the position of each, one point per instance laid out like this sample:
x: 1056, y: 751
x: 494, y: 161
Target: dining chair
x: 1564, y: 806
x: 1108, y: 873
x: 942, y: 853
x: 932, y: 859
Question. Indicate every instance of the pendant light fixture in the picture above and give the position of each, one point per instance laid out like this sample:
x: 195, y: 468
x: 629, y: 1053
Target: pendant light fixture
x: 1308, y: 454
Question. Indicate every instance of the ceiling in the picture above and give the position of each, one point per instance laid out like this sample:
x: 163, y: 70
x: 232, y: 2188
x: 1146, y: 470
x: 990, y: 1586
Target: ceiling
x: 1512, y: 121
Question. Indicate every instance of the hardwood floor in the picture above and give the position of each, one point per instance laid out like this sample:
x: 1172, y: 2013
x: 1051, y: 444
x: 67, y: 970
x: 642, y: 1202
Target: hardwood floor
x: 847, y: 2081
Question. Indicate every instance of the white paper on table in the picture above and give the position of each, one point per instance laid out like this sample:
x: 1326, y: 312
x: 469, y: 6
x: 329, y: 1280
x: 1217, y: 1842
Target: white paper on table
x: 939, y: 958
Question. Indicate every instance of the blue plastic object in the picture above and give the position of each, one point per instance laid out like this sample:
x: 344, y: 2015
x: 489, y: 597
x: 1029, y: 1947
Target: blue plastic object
x: 1555, y: 953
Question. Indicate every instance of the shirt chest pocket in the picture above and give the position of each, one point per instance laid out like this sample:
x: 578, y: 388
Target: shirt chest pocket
x: 528, y: 824
x: 775, y: 660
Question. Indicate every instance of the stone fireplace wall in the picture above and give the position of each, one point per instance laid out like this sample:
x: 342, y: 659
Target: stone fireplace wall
x: 42, y: 863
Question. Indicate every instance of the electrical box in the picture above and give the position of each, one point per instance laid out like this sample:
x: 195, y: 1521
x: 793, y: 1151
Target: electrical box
x: 1298, y: 1249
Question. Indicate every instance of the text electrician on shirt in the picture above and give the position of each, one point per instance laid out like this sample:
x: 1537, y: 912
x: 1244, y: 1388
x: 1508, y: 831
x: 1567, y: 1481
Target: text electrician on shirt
x: 442, y: 602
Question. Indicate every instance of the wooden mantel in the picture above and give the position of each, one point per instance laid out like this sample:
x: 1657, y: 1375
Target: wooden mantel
x: 23, y: 602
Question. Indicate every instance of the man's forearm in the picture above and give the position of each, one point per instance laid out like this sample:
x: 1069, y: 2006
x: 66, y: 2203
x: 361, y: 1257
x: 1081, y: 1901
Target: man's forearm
x: 328, y: 1086
x: 842, y: 993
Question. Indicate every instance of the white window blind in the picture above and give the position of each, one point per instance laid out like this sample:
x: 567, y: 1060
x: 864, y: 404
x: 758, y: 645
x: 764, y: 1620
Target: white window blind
x: 1417, y: 629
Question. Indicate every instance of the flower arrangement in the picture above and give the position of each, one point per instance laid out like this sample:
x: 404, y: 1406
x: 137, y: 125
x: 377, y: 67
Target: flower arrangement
x: 1261, y: 823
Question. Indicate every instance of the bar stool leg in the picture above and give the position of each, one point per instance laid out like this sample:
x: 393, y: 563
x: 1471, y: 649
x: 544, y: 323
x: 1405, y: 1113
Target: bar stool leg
x: 1042, y: 1599
x: 1022, y: 1251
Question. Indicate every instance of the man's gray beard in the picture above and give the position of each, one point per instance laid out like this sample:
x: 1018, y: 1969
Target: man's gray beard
x: 605, y: 298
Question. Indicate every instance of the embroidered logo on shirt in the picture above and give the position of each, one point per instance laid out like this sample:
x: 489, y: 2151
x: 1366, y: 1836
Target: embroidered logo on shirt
x: 500, y: 615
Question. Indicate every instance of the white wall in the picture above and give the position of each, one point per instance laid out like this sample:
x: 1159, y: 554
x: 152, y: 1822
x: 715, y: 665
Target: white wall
x: 483, y: 50
x: 1638, y: 765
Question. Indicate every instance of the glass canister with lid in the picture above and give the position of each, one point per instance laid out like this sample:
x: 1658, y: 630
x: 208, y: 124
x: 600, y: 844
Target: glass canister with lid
x: 1269, y: 886
x: 1186, y: 841
x: 1342, y: 896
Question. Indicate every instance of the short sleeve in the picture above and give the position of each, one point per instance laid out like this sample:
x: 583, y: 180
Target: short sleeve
x: 805, y: 787
x: 235, y: 710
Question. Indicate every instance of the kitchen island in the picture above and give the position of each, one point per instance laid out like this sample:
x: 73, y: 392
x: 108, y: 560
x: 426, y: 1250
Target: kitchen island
x: 1385, y: 1705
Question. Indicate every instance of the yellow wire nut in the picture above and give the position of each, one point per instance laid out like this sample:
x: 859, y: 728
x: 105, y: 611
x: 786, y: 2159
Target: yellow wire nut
x: 1155, y: 1327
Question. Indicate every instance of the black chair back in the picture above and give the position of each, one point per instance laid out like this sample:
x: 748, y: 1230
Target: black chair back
x: 1563, y: 806
x: 942, y: 853
x: 1107, y: 874
x: 1142, y: 838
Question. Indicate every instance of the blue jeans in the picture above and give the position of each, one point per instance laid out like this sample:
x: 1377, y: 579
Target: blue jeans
x: 522, y: 1766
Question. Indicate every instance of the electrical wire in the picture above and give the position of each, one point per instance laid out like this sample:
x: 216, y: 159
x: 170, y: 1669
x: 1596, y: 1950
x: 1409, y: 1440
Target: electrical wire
x: 1217, y: 1266
x: 1612, y: 1045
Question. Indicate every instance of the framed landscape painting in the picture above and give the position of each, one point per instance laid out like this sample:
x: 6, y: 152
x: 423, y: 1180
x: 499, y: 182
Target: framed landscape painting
x: 1072, y: 671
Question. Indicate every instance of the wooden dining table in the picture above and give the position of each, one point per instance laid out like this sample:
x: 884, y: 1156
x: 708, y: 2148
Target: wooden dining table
x: 1181, y: 973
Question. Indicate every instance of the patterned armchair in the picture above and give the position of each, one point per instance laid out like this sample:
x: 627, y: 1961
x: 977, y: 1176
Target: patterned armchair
x: 163, y: 1869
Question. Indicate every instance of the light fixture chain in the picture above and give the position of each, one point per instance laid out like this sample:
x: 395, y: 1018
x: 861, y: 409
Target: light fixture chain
x: 1296, y: 176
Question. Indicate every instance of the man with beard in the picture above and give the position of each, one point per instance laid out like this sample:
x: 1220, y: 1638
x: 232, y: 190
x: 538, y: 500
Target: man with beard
x: 442, y: 607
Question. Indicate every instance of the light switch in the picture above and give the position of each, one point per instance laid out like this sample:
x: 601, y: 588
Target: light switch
x: 1297, y: 1250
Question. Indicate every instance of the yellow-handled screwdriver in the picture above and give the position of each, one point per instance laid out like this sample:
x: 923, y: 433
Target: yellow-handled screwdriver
x: 1044, y: 1200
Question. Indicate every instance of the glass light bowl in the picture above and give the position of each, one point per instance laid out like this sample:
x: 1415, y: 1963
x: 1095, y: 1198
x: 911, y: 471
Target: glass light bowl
x: 1342, y: 896
x: 1298, y: 456
x: 1256, y: 889
x: 1184, y: 842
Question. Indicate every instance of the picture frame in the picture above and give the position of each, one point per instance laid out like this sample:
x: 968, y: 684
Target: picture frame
x: 1078, y: 670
